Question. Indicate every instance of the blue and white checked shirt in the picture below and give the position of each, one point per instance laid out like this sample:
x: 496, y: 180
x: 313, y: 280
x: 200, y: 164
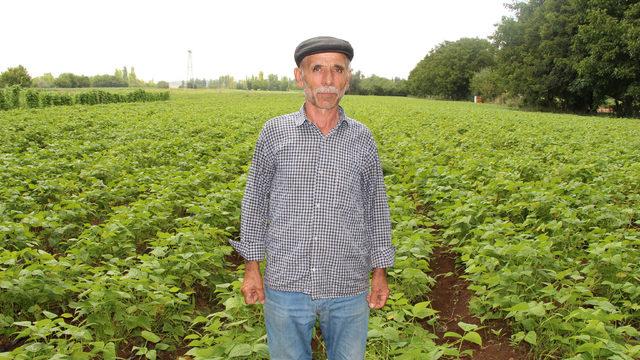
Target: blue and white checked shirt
x: 316, y: 206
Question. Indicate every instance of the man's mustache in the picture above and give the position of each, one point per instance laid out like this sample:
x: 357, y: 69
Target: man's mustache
x: 327, y: 90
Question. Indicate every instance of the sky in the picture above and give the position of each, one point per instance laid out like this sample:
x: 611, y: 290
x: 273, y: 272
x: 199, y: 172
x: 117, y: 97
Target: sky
x: 238, y: 38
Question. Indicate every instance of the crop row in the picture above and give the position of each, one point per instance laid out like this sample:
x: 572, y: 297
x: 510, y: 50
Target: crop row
x: 11, y: 98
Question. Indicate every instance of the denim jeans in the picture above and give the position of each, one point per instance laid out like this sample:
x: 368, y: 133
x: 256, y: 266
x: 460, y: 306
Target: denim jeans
x: 291, y: 316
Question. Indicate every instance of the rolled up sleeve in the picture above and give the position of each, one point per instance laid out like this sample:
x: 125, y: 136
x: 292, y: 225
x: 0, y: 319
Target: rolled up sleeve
x: 255, y: 203
x: 377, y: 215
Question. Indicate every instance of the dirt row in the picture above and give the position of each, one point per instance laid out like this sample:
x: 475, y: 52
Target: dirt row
x: 450, y: 297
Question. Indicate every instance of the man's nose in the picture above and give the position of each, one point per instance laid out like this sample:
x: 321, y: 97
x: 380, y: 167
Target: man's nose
x: 327, y: 78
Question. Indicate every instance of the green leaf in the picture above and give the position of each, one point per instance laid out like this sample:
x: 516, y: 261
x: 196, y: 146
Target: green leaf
x: 240, y: 350
x: 49, y: 314
x: 151, y: 354
x: 531, y: 338
x: 262, y: 349
x: 421, y: 310
x: 149, y: 336
x: 452, y: 334
x: 109, y: 351
x: 467, y: 327
x: 523, y: 306
x: 473, y: 337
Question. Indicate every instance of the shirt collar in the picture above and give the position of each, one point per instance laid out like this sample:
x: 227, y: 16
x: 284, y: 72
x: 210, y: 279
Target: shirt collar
x: 299, y: 120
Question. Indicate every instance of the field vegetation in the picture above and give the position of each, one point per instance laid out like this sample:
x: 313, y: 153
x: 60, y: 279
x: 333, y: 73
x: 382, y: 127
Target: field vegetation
x: 115, y: 221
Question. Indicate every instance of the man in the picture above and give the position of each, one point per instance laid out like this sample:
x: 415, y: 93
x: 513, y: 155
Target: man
x: 315, y: 204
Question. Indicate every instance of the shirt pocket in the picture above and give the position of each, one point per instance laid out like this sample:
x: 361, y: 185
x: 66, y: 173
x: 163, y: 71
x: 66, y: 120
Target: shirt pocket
x: 347, y: 187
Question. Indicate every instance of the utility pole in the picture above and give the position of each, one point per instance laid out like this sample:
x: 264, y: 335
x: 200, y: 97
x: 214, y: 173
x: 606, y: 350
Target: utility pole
x: 189, y: 71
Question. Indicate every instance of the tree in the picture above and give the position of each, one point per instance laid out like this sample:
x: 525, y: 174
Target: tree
x: 376, y: 85
x: 448, y: 68
x: 15, y: 76
x: 133, y: 79
x: 70, y: 80
x: 609, y: 67
x: 45, y: 81
x: 107, y: 80
x: 354, y: 83
x: 536, y: 57
x: 572, y: 55
x: 487, y: 83
x: 162, y: 84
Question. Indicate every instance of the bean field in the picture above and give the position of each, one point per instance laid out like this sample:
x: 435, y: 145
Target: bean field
x: 115, y: 221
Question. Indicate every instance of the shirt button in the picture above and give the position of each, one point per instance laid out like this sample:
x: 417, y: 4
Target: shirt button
x: 315, y: 238
x: 317, y: 206
x: 320, y: 172
x: 313, y: 269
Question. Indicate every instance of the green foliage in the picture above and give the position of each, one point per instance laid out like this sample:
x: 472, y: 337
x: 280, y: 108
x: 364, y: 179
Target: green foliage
x: 70, y: 80
x: 376, y: 85
x: 12, y: 95
x: 32, y: 98
x: 35, y: 99
x: 162, y: 84
x: 55, y: 99
x: 572, y: 55
x: 45, y: 81
x: 447, y: 70
x: 259, y: 82
x: 223, y: 82
x: 487, y: 83
x: 15, y: 76
x: 114, y: 223
x: 107, y: 80
x: 4, y: 103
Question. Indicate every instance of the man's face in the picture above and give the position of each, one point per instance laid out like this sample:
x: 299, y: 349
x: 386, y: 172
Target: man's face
x: 324, y: 78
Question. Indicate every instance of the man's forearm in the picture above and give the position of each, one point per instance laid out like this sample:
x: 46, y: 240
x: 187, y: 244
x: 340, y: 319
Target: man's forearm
x: 379, y: 272
x: 252, y: 266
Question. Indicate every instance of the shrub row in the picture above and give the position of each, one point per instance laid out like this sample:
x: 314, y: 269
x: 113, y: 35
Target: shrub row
x: 10, y: 97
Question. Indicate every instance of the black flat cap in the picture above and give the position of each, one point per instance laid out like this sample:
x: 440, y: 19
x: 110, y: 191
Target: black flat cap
x: 322, y: 44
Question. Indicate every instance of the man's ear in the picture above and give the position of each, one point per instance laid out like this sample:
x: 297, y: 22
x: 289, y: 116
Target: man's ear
x: 346, y: 88
x: 297, y: 73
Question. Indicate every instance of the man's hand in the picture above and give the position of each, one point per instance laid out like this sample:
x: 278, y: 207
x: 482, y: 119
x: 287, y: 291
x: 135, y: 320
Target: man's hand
x: 252, y: 286
x: 379, y: 294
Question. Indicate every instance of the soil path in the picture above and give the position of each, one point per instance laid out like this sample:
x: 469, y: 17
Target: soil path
x: 450, y: 297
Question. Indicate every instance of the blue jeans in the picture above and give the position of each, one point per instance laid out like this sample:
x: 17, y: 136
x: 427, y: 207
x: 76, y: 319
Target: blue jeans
x: 291, y: 316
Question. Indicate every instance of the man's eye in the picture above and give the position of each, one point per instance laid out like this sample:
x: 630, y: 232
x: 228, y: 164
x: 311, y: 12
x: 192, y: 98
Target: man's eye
x: 317, y: 68
x: 339, y: 70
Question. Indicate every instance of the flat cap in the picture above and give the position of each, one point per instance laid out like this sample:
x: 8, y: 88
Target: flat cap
x: 321, y: 44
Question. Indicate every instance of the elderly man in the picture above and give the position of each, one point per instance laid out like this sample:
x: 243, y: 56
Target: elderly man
x: 315, y: 205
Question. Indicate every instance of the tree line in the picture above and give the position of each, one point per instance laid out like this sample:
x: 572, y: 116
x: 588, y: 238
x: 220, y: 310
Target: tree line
x: 124, y: 77
x: 359, y: 84
x: 564, y: 55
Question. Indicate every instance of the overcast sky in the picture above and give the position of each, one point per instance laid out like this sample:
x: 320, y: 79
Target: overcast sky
x: 239, y: 38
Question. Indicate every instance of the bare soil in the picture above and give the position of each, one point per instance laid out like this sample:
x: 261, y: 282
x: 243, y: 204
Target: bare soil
x: 450, y: 297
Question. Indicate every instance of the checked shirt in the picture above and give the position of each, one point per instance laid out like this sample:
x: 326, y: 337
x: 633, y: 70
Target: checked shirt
x: 316, y: 206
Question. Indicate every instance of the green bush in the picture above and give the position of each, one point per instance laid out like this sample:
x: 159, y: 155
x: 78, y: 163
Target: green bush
x: 13, y: 96
x: 32, y: 98
x: 4, y: 105
x: 62, y: 99
x: 9, y: 98
x: 47, y: 100
x: 87, y: 98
